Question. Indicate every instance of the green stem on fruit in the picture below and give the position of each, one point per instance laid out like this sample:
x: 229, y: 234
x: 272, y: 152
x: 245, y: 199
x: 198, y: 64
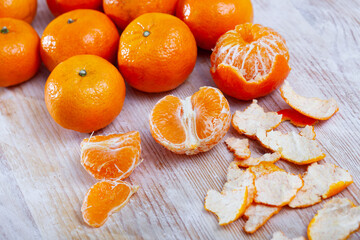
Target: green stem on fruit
x: 82, y: 73
x: 146, y: 33
x: 4, y: 30
x: 70, y: 20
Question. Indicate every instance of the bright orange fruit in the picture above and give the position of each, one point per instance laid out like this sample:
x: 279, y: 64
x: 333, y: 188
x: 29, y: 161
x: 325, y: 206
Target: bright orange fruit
x: 193, y: 125
x: 103, y: 199
x: 58, y: 7
x: 20, y: 9
x: 78, y: 32
x: 157, y: 52
x: 111, y: 157
x: 250, y: 61
x: 122, y: 12
x: 84, y: 93
x: 19, y: 52
x: 210, y: 19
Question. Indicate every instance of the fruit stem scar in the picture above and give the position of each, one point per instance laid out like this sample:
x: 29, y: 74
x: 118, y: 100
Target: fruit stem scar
x: 146, y: 33
x: 70, y: 20
x: 82, y: 73
x: 4, y: 30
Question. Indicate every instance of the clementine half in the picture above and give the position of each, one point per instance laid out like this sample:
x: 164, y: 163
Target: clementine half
x: 78, y: 32
x: 193, y: 125
x: 19, y: 52
x: 84, y: 93
x: 111, y: 157
x: 105, y: 198
x: 250, y: 61
x: 58, y: 7
x: 122, y: 12
x: 209, y: 19
x: 19, y: 9
x: 157, y: 52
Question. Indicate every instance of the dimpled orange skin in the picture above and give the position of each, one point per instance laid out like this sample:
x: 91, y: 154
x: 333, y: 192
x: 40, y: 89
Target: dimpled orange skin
x: 122, y: 12
x: 78, y: 32
x: 157, y: 52
x: 209, y: 19
x: 84, y: 103
x: 19, y: 9
x: 58, y: 7
x: 19, y: 52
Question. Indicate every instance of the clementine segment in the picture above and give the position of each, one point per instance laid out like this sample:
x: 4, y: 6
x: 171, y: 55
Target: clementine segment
x: 78, y: 32
x: 19, y: 9
x: 58, y: 7
x: 157, y: 52
x: 122, y: 12
x: 19, y: 52
x: 84, y: 93
x: 210, y: 19
x: 111, y: 157
x: 193, y: 125
x: 250, y: 61
x: 105, y: 198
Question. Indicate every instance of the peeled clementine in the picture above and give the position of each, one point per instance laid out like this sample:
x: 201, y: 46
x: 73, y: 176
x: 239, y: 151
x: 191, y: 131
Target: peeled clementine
x: 111, y: 157
x: 19, y: 9
x: 193, y: 125
x: 210, y: 19
x: 58, y: 7
x: 78, y: 32
x: 250, y: 61
x: 105, y: 198
x: 19, y: 52
x: 84, y: 93
x: 157, y: 52
x: 122, y: 12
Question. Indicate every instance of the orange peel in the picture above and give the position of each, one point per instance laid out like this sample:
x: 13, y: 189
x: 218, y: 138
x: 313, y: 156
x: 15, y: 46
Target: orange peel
x: 257, y: 215
x: 311, y: 107
x: 251, y: 161
x: 105, y: 198
x: 253, y: 117
x: 264, y: 168
x: 308, y: 132
x: 296, y: 118
x: 240, y: 147
x: 281, y: 236
x: 228, y: 206
x: 293, y: 147
x: 321, y: 181
x: 277, y: 188
x: 336, y: 220
x: 193, y: 125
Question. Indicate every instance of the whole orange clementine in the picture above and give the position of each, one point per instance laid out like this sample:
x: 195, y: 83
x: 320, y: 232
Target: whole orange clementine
x: 78, y: 32
x: 84, y: 93
x: 157, y: 52
x: 122, y: 12
x: 19, y: 51
x: 58, y: 7
x: 209, y: 19
x: 19, y: 9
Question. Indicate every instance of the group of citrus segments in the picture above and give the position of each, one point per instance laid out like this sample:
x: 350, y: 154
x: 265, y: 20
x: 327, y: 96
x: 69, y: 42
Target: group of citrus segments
x: 156, y: 53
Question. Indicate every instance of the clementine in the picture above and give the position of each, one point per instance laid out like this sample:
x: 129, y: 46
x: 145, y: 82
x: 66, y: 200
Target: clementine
x: 105, y: 198
x: 84, y: 93
x: 209, y: 19
x: 250, y: 61
x: 58, y: 7
x: 157, y: 52
x: 78, y: 32
x: 122, y: 12
x: 19, y: 52
x: 111, y: 157
x: 193, y: 125
x: 19, y: 9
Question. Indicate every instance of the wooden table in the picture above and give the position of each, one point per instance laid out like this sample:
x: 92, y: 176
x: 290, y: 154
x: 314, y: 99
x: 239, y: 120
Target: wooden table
x: 43, y: 184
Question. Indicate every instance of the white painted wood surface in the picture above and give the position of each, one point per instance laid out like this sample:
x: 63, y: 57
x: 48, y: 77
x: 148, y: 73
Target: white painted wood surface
x: 42, y: 183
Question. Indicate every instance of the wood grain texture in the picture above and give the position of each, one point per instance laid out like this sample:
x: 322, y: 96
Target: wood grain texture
x: 43, y: 183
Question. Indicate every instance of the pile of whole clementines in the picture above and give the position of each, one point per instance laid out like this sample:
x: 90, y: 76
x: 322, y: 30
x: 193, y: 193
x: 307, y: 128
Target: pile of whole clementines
x: 155, y: 52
